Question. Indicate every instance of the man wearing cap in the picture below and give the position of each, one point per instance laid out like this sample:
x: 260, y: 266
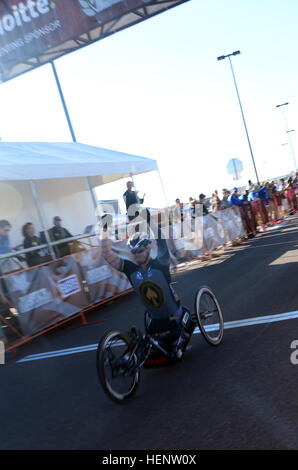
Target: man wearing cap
x: 57, y: 232
x: 131, y: 198
x: 225, y: 203
x: 202, y: 201
x: 234, y: 198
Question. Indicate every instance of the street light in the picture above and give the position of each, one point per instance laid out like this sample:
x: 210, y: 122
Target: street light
x: 222, y: 57
x: 282, y: 106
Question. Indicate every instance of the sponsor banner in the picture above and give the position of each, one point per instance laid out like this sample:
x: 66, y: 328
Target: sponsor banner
x: 212, y: 231
x: 47, y: 294
x: 24, y: 288
x: 102, y: 280
x: 5, y: 313
x: 232, y: 223
x: 35, y: 299
x: 33, y: 32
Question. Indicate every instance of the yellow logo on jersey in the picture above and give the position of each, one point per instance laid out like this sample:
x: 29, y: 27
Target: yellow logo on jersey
x: 152, y: 294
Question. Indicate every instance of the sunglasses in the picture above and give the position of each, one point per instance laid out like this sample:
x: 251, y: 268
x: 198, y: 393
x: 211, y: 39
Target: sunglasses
x: 137, y: 251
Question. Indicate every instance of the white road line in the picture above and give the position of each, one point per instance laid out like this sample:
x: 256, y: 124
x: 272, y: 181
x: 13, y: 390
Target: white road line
x: 227, y: 325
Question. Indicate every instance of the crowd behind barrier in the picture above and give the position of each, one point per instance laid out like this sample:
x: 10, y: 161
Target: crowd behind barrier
x: 36, y: 298
x: 37, y: 291
x: 260, y: 205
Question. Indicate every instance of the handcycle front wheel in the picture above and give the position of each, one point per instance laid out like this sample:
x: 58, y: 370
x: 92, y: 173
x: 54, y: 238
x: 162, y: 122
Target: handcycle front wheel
x: 116, y: 366
x: 209, y: 316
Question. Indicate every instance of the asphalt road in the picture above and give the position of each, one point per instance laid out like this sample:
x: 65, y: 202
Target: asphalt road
x: 240, y: 395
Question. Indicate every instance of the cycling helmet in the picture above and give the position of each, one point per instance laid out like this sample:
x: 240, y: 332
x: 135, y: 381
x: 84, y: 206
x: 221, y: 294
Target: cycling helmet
x: 139, y: 239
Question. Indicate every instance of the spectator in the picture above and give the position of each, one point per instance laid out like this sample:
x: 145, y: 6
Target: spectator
x: 202, y: 198
x: 270, y: 203
x: 5, y: 228
x: 247, y: 215
x: 250, y: 186
x: 256, y: 204
x: 178, y: 214
x: 234, y: 198
x: 192, y: 207
x: 263, y: 196
x: 59, y: 233
x: 33, y: 258
x: 281, y: 185
x: 225, y: 203
x: 178, y: 210
x: 131, y: 198
x: 290, y: 192
x: 215, y: 202
x: 277, y: 200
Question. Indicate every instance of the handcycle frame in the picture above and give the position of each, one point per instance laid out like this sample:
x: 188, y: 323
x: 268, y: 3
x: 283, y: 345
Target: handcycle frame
x: 151, y: 344
x: 139, y: 346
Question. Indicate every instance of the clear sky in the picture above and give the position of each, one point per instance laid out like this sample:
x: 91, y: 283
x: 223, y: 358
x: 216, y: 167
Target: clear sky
x: 157, y: 90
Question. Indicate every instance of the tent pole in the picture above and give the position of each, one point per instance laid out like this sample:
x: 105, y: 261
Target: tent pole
x: 132, y: 179
x: 163, y: 189
x: 94, y: 200
x: 63, y: 103
x: 39, y: 211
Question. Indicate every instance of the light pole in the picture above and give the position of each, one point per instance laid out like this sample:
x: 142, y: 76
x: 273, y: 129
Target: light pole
x: 282, y: 106
x: 222, y: 57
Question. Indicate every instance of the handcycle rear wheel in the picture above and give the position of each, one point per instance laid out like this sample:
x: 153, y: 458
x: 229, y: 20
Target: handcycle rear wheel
x: 116, y: 366
x: 209, y: 316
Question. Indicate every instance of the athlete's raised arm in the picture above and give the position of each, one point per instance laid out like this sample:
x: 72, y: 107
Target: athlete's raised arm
x: 163, y: 254
x: 109, y: 255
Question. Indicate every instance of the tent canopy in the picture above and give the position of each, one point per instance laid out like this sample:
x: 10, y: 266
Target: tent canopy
x: 42, y: 160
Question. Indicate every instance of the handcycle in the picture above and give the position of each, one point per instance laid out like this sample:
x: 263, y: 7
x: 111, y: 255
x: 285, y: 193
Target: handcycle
x: 121, y: 355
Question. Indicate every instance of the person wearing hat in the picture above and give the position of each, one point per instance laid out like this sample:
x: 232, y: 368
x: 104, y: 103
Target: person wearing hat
x: 234, y: 198
x: 225, y: 203
x: 57, y: 232
x: 202, y: 201
x: 132, y: 200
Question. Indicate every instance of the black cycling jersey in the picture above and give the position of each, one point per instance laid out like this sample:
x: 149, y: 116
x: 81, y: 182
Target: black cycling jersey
x: 153, y: 284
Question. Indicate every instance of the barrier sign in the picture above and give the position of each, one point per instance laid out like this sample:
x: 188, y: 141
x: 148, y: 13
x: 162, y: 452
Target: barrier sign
x: 69, y: 286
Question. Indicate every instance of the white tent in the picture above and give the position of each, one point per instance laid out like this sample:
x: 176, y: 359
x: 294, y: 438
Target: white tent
x: 41, y: 180
x: 43, y: 160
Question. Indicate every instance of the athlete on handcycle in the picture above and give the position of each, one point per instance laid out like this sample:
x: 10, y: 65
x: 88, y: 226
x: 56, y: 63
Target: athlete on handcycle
x: 170, y: 323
